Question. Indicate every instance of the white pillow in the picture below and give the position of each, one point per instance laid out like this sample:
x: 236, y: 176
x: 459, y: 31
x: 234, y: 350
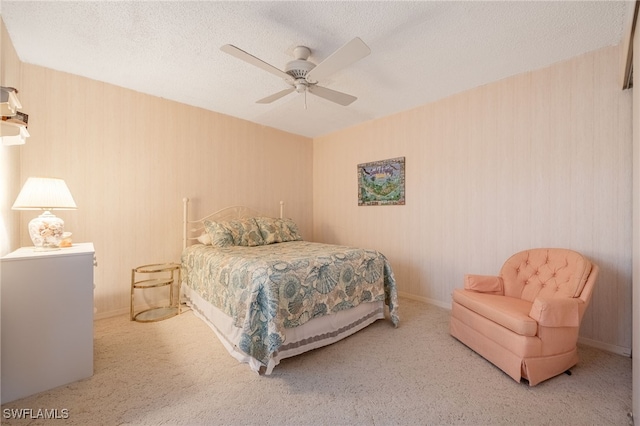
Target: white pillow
x: 205, y: 239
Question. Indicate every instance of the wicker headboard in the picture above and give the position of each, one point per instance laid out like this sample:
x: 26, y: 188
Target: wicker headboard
x: 193, y: 228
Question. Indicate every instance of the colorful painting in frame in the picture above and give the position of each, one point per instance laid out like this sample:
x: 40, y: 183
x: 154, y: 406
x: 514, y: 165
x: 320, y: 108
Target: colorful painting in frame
x: 381, y: 183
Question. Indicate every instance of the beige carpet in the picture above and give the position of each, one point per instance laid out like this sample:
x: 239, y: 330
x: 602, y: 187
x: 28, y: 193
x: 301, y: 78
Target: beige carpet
x: 177, y: 372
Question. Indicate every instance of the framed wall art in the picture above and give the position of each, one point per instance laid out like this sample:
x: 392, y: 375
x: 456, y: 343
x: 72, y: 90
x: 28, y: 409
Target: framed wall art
x: 381, y: 182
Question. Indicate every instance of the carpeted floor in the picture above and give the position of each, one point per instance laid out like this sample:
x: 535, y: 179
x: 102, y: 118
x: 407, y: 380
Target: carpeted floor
x: 175, y: 372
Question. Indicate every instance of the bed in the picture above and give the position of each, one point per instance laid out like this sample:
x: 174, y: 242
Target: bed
x: 269, y: 295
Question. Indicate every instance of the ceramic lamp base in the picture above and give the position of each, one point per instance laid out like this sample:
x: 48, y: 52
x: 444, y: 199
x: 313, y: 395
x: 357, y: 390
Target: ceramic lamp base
x: 46, y: 231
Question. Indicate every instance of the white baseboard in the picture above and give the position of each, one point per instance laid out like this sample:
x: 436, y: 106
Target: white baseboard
x: 605, y: 346
x: 109, y: 314
x: 425, y: 300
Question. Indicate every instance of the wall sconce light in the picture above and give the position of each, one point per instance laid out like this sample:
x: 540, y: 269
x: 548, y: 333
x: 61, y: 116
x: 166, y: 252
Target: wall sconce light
x: 13, y: 134
x: 13, y: 126
x: 46, y: 231
x: 9, y: 103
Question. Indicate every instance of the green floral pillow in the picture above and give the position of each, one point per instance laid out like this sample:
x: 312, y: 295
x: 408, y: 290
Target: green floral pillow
x: 239, y: 232
x: 277, y: 230
x: 290, y: 230
x: 245, y: 232
x: 220, y: 236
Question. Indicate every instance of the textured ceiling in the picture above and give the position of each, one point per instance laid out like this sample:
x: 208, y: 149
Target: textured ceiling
x: 420, y: 51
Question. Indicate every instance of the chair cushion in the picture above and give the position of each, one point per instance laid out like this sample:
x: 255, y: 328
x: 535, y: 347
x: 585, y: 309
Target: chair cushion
x: 509, y: 312
x: 484, y: 283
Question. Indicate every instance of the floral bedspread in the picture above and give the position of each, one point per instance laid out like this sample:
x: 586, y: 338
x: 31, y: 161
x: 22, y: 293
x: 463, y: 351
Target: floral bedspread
x: 268, y: 288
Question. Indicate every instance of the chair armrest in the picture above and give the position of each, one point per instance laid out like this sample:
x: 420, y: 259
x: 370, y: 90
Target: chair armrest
x: 562, y: 312
x: 484, y: 283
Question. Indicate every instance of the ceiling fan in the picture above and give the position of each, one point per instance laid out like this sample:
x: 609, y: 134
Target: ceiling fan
x: 303, y: 75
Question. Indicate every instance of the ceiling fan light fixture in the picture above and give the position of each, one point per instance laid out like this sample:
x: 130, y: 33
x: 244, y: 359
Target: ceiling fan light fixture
x: 301, y: 85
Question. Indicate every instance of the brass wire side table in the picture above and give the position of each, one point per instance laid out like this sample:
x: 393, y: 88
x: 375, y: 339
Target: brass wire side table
x: 156, y: 276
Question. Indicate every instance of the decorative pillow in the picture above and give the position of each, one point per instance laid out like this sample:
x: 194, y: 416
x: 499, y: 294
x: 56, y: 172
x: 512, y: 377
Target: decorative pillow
x: 220, y: 236
x: 238, y: 232
x: 290, y: 230
x: 205, y: 239
x: 268, y: 229
x: 245, y: 232
x: 277, y: 230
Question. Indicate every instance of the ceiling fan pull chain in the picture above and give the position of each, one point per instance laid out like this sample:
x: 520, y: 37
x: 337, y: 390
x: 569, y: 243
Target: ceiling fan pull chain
x: 305, y: 99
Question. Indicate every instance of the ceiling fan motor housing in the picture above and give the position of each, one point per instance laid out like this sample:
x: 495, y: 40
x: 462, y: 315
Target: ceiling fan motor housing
x: 298, y: 69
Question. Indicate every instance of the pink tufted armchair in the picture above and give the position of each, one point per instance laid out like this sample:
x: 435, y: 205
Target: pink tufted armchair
x: 526, y: 320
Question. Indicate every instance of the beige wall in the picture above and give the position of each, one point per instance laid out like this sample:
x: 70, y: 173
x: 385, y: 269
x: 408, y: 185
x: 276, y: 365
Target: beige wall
x: 542, y: 159
x: 130, y: 158
x: 9, y: 155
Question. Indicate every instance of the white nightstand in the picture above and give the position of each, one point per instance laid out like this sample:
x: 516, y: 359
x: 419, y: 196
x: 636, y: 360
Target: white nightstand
x: 47, y: 318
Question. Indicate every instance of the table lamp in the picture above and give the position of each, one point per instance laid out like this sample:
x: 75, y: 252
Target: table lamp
x: 46, y: 194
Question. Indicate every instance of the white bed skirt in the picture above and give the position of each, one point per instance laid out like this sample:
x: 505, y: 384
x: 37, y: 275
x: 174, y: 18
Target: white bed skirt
x: 313, y: 334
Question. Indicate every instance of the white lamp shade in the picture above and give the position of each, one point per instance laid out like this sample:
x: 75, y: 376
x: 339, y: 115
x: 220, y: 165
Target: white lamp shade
x: 44, y: 194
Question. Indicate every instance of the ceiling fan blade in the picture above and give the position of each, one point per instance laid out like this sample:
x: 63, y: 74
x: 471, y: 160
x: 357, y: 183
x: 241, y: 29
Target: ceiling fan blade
x: 332, y: 95
x: 275, y: 96
x: 247, y: 57
x: 351, y: 52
